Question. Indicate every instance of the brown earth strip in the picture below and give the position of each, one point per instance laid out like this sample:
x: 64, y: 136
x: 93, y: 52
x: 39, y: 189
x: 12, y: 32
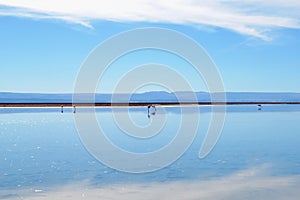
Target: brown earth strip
x: 138, y: 104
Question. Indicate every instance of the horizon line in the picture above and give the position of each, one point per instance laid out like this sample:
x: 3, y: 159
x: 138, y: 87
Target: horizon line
x: 136, y: 104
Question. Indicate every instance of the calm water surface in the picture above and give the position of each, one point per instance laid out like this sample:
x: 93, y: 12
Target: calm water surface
x: 256, y: 157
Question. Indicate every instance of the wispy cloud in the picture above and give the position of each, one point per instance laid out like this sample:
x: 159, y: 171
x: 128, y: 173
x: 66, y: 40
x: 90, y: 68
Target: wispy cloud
x: 253, y: 17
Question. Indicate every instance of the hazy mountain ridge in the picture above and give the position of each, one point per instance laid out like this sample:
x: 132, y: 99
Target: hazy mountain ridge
x: 157, y: 96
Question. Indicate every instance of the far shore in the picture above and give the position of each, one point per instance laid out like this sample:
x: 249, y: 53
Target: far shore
x: 121, y: 104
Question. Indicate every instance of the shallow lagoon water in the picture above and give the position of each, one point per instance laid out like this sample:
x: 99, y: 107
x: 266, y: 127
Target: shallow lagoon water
x: 257, y: 156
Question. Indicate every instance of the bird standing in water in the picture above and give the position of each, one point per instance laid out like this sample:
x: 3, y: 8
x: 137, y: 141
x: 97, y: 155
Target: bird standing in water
x: 151, y: 110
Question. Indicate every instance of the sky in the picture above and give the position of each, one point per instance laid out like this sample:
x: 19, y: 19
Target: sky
x: 255, y: 45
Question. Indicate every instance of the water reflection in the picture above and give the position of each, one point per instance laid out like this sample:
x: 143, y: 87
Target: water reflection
x: 42, y: 157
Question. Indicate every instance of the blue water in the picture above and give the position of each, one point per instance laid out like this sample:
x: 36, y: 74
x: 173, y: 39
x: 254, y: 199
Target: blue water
x: 41, y: 147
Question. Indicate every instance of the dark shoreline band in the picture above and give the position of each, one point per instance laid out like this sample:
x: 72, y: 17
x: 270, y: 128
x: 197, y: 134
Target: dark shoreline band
x: 140, y: 104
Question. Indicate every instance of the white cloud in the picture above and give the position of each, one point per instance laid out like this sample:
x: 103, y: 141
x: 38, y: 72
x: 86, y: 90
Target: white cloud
x: 247, y: 184
x: 252, y: 17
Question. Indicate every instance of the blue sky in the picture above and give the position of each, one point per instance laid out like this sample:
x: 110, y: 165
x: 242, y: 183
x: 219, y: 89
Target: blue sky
x: 255, y: 45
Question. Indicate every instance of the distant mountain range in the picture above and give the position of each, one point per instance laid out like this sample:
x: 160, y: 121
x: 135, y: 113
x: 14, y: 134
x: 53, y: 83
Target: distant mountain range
x: 157, y: 96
